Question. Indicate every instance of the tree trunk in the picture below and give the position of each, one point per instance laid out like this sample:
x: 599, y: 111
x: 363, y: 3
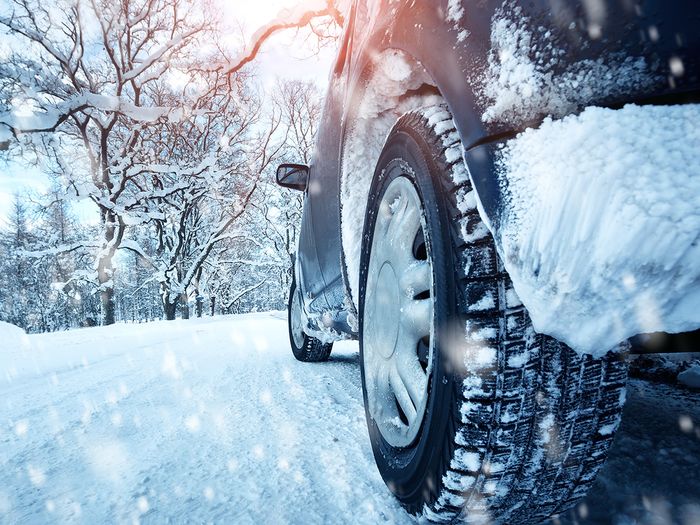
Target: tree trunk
x: 169, y: 308
x: 184, y: 305
x: 104, y: 277
x: 199, y: 300
x: 107, y: 303
x: 200, y: 305
x: 212, y: 305
x: 112, y: 238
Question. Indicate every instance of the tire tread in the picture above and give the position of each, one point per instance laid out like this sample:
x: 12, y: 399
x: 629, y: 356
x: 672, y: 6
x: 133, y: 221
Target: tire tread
x: 532, y: 427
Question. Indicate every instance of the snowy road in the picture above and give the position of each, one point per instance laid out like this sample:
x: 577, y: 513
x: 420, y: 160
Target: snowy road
x: 214, y: 421
x: 652, y: 475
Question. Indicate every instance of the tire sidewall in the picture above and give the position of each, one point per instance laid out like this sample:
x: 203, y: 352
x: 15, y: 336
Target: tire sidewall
x: 299, y: 353
x: 413, y: 473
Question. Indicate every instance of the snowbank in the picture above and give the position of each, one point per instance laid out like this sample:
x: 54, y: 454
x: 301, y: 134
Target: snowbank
x: 600, y: 229
x: 12, y: 337
x: 690, y: 377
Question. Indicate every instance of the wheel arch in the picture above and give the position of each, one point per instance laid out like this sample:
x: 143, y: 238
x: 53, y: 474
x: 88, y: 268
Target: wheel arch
x: 387, y: 83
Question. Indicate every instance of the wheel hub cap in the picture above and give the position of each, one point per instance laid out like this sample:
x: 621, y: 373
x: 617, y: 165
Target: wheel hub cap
x: 398, y: 317
x: 387, y: 297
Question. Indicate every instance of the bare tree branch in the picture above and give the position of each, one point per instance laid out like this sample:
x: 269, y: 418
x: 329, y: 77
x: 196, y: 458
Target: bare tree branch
x: 297, y: 17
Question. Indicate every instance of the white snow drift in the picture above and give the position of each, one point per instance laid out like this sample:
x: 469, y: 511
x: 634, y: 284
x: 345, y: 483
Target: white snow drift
x: 600, y: 229
x: 13, y: 337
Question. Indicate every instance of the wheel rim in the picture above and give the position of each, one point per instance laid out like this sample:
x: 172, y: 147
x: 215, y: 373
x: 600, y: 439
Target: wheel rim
x: 296, y: 317
x: 398, y: 316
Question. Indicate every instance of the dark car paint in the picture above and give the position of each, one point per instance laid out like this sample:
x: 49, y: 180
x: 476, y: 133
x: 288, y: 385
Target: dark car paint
x: 420, y: 29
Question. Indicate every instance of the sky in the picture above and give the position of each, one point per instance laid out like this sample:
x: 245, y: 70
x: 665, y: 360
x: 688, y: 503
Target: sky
x: 284, y: 56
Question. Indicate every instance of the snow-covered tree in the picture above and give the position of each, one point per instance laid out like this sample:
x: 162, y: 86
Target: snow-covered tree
x: 136, y: 107
x: 14, y: 270
x: 255, y: 265
x: 239, y: 142
x: 83, y: 91
x: 40, y: 289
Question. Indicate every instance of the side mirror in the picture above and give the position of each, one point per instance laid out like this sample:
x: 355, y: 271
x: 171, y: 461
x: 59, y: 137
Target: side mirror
x: 293, y: 176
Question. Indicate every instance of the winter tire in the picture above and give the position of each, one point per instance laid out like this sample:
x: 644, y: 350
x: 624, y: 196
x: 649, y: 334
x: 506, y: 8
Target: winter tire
x: 473, y: 417
x: 305, y: 348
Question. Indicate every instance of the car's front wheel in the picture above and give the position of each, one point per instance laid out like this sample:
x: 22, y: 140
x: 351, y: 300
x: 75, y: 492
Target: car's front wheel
x: 472, y: 415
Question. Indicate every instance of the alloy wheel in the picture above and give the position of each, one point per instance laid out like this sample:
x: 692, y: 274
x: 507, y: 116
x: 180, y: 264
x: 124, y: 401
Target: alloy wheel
x: 399, y: 316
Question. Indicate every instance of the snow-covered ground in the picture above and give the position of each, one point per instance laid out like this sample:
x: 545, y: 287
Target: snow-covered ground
x: 213, y: 420
x: 200, y: 421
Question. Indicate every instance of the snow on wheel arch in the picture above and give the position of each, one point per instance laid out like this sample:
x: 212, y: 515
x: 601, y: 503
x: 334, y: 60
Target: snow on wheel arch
x: 392, y: 76
x: 599, y: 227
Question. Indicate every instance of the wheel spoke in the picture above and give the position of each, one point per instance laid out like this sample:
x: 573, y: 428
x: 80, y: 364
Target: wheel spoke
x: 384, y: 219
x: 402, y: 231
x: 403, y: 396
x: 417, y: 317
x: 408, y: 228
x: 416, y: 279
x: 377, y: 379
x: 384, y: 389
x: 412, y: 375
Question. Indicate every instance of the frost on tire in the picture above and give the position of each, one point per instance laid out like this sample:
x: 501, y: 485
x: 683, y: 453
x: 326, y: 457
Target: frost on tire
x: 530, y: 421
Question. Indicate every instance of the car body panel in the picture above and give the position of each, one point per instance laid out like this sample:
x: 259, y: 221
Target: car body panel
x: 649, y: 30
x: 605, y: 53
x: 319, y: 261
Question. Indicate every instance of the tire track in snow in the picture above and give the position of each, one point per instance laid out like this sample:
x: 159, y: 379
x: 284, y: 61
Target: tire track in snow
x: 319, y: 444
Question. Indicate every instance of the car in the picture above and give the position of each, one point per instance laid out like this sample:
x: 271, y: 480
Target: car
x: 473, y: 414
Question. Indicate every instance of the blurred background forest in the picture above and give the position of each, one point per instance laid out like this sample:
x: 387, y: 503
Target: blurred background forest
x: 157, y: 149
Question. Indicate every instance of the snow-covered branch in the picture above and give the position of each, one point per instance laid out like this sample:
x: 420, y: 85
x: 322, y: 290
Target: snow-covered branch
x: 243, y: 293
x: 50, y: 116
x: 297, y: 17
